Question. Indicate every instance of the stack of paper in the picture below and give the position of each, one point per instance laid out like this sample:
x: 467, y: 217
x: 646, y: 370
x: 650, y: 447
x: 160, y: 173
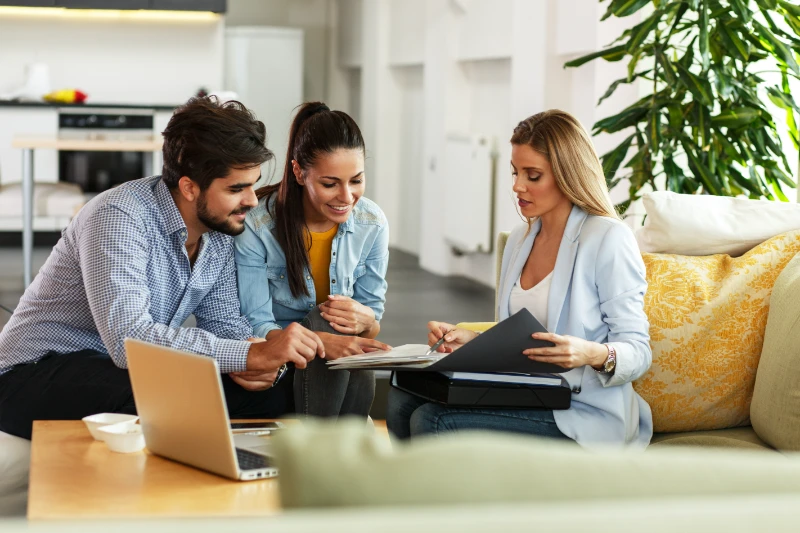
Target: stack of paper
x: 527, y: 379
x: 408, y: 355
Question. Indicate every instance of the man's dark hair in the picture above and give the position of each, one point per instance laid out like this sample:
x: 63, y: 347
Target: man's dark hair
x: 204, y: 140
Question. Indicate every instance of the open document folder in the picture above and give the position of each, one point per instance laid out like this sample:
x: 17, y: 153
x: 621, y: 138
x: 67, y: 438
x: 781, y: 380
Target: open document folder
x: 498, y: 349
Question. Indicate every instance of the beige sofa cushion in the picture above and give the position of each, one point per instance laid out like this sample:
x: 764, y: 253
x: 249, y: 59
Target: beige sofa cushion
x: 707, y: 320
x: 324, y: 464
x: 738, y: 438
x: 775, y: 411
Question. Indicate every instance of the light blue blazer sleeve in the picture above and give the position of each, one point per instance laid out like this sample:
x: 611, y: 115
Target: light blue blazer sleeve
x: 621, y: 285
x: 254, y: 292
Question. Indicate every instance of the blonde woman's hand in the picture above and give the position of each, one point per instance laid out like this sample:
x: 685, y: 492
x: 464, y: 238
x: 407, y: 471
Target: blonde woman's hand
x: 568, y: 352
x: 454, y: 338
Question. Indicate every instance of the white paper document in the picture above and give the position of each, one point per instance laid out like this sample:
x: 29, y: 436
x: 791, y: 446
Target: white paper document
x: 407, y: 355
x: 528, y: 379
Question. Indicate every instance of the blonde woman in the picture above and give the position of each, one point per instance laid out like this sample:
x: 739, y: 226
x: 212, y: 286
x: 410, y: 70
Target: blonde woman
x: 577, y: 269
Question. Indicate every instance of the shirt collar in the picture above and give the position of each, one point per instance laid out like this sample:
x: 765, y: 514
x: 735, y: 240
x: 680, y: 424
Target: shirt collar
x: 173, y: 221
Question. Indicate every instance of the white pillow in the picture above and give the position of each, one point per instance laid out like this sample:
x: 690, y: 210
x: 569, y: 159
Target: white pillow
x: 688, y: 224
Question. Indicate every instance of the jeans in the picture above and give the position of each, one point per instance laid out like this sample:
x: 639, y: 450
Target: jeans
x: 74, y: 385
x: 319, y: 391
x: 410, y: 416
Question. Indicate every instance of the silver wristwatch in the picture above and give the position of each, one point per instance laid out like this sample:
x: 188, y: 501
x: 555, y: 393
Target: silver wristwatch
x: 611, y: 361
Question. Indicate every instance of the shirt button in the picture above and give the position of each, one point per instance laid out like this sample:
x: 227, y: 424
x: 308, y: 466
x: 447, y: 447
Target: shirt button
x: 310, y: 306
x: 333, y: 281
x: 308, y: 277
x: 281, y: 276
x: 334, y: 253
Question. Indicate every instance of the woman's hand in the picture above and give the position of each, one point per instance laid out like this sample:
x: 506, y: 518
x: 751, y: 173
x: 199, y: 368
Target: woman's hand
x: 568, y: 352
x: 347, y: 315
x: 337, y: 346
x: 454, y: 338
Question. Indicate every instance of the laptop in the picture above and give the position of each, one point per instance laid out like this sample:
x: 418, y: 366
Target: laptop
x: 181, y: 405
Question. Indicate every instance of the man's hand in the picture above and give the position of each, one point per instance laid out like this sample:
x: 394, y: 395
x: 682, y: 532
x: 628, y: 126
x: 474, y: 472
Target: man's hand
x: 337, y: 346
x: 295, y: 344
x: 254, y: 380
x: 347, y: 315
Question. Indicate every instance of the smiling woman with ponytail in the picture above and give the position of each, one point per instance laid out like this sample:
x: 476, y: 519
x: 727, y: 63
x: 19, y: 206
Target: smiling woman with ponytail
x: 315, y: 251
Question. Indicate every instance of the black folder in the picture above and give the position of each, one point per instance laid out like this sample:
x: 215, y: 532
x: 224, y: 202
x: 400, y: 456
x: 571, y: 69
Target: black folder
x: 497, y: 350
x: 439, y: 388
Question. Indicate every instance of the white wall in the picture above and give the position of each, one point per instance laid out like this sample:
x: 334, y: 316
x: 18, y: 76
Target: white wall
x: 115, y: 60
x: 421, y: 70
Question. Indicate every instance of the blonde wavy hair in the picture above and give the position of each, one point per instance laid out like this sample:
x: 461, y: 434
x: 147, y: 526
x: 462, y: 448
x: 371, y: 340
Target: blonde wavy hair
x: 562, y: 139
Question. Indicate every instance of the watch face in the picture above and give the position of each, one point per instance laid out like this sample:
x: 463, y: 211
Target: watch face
x: 610, y: 365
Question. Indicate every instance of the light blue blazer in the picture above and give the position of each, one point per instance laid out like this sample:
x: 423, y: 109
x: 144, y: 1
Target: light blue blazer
x: 597, y: 293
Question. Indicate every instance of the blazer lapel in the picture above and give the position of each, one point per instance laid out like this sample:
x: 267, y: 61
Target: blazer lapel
x: 565, y: 263
x: 521, y: 253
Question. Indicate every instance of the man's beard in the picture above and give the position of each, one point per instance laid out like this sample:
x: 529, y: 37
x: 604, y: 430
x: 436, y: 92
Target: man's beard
x: 220, y: 224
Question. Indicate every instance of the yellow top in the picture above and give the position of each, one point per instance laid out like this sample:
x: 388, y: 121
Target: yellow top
x: 319, y: 258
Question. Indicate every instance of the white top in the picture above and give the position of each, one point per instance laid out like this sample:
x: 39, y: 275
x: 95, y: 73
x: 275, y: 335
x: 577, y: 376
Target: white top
x: 533, y: 299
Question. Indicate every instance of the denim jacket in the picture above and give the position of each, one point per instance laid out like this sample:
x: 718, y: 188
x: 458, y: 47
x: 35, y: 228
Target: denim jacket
x: 359, y: 259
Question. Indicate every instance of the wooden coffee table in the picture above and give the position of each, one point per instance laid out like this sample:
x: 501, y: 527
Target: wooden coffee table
x: 73, y: 476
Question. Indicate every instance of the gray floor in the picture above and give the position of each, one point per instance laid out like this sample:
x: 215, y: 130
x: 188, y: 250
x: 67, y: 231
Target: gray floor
x: 415, y: 296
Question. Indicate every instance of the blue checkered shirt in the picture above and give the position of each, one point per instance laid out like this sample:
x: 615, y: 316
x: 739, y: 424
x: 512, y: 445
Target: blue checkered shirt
x: 121, y: 270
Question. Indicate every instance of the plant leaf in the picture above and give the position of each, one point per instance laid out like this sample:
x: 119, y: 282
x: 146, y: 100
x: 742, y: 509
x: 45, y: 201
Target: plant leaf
x: 613, y: 159
x: 776, y: 46
x: 701, y: 89
x: 641, y: 31
x: 731, y: 38
x: 629, y: 7
x: 736, y: 117
x: 615, y: 53
x: 740, y: 7
x: 625, y: 119
x: 617, y: 83
x: 704, y: 55
x: 790, y: 8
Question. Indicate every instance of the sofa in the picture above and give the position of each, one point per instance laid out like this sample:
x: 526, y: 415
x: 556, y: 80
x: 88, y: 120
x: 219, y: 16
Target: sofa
x: 766, y: 413
x: 751, y: 278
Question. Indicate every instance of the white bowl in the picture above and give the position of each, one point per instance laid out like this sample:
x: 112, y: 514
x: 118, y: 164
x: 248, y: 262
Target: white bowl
x: 123, y: 437
x: 94, y: 422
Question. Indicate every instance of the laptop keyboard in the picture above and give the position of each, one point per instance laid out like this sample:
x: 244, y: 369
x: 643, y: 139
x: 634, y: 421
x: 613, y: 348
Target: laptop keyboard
x: 251, y: 461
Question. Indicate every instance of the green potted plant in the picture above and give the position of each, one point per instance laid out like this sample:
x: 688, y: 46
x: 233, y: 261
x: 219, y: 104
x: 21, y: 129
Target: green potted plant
x: 704, y: 127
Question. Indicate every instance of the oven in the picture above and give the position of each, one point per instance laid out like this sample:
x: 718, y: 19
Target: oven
x: 95, y: 172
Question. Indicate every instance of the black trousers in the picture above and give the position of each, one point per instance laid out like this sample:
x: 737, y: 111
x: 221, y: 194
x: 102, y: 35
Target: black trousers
x: 74, y: 385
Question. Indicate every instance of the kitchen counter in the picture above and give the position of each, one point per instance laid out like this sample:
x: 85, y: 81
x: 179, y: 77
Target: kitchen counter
x: 88, y: 145
x: 156, y: 107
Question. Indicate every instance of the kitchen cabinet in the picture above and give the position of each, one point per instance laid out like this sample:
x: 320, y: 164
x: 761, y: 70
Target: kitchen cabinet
x: 217, y: 6
x: 33, y: 122
x: 30, y: 3
x: 104, y: 4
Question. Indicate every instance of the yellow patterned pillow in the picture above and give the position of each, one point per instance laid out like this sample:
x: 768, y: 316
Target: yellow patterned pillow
x: 707, y: 319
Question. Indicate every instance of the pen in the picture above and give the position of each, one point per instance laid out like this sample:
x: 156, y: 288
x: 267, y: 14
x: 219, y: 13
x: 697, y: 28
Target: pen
x: 437, y: 344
